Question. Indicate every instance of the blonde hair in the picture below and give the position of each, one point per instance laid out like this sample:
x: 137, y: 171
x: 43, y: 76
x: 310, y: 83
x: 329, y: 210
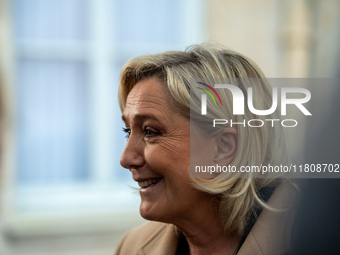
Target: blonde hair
x: 256, y: 146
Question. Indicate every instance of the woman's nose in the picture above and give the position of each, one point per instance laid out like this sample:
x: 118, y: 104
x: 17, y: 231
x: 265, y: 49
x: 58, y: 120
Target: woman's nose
x: 132, y: 155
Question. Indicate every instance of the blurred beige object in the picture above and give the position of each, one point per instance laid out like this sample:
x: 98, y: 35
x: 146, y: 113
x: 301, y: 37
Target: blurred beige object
x: 325, y: 50
x: 288, y: 39
x: 275, y: 34
x: 250, y: 27
x: 6, y: 69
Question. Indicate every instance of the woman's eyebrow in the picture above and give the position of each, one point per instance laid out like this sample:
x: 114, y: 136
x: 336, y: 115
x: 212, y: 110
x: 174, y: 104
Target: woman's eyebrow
x: 141, y: 117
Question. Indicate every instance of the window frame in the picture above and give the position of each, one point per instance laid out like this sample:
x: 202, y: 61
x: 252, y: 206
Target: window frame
x: 102, y: 203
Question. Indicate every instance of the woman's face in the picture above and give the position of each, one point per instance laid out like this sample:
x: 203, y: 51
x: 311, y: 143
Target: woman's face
x: 157, y: 153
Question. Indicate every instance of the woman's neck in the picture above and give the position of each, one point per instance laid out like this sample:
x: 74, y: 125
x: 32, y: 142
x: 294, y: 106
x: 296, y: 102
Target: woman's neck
x: 205, y: 234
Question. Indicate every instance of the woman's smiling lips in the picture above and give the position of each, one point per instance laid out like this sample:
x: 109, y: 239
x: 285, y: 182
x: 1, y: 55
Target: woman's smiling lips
x: 148, y: 183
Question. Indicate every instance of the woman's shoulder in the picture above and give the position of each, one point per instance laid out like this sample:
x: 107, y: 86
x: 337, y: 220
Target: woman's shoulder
x: 149, y: 238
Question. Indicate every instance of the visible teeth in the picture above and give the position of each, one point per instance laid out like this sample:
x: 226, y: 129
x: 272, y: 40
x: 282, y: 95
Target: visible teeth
x: 148, y: 182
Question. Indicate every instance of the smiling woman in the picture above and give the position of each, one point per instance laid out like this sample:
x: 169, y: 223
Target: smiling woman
x: 158, y: 154
x: 204, y: 215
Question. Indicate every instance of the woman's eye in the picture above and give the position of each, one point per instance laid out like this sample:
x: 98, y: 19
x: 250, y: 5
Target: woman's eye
x: 150, y: 132
x: 127, y: 131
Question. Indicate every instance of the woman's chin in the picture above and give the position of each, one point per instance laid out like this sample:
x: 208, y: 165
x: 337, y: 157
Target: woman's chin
x: 147, y: 212
x: 151, y: 212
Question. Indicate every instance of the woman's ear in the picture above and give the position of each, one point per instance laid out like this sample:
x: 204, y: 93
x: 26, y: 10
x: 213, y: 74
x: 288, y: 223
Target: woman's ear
x: 226, y: 141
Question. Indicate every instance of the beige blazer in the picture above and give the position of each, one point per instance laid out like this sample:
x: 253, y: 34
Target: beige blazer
x: 269, y: 236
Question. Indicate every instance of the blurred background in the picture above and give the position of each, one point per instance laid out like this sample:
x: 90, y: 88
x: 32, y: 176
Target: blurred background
x: 62, y: 189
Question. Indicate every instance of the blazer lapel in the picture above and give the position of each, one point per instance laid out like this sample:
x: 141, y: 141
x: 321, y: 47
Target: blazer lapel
x: 271, y: 232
